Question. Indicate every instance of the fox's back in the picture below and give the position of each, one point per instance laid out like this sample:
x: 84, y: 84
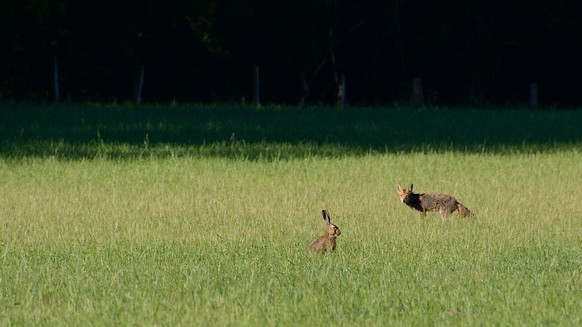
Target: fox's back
x: 435, y: 201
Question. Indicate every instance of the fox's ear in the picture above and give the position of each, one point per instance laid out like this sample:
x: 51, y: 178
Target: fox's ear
x: 398, y: 188
x: 410, y: 189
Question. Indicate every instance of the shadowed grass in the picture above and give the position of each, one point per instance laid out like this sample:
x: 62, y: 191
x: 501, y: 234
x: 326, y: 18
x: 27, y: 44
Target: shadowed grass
x: 87, y: 131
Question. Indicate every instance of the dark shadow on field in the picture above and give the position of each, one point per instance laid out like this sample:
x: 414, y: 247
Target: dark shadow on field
x: 81, y: 131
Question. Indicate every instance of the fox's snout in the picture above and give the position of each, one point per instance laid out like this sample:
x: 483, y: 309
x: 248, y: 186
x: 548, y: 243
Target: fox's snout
x: 404, y: 194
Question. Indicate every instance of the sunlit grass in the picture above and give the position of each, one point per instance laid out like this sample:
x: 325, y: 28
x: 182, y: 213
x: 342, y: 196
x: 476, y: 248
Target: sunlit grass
x: 218, y: 241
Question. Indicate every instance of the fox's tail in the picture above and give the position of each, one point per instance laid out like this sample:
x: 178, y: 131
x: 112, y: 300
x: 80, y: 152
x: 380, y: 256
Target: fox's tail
x: 464, y: 211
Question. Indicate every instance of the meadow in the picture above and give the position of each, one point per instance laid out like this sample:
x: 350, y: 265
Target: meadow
x: 202, y: 215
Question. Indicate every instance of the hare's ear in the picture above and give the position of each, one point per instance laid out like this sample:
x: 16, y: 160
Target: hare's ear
x: 398, y: 188
x: 410, y: 189
x: 326, y: 216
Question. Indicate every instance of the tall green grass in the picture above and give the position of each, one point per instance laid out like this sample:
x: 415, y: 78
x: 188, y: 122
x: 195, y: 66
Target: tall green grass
x: 104, y: 230
x: 224, y: 242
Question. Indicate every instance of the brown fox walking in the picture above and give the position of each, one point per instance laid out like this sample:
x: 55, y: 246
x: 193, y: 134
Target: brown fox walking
x: 423, y: 202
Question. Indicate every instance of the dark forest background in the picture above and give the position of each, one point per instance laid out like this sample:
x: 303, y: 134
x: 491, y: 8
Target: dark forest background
x: 478, y: 52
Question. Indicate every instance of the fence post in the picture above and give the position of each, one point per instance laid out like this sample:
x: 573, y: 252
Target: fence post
x: 533, y: 95
x: 139, y: 89
x: 417, y: 92
x: 56, y: 80
x: 341, y: 92
x: 304, y: 88
x: 257, y: 93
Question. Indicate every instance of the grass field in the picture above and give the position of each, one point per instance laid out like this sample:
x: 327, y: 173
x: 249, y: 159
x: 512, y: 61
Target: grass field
x: 202, y: 215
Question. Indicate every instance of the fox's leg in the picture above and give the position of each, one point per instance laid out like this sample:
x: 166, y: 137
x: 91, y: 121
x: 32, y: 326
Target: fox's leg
x: 422, y: 214
x: 448, y: 208
x: 444, y: 212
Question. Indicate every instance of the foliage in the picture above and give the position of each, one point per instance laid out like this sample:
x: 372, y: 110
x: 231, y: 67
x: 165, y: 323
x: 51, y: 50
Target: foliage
x: 476, y: 51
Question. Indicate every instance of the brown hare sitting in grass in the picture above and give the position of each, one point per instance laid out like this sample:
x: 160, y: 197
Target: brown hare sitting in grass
x: 326, y: 242
x: 423, y: 202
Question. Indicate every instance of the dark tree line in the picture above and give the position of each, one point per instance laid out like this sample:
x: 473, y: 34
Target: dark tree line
x: 464, y: 51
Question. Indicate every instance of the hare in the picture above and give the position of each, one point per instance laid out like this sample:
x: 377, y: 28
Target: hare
x: 423, y: 202
x: 326, y: 242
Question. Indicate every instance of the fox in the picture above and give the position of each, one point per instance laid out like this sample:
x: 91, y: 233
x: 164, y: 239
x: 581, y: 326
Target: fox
x: 423, y: 202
